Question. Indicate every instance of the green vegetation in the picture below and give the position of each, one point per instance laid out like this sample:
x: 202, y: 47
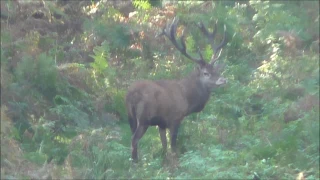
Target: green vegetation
x: 66, y: 67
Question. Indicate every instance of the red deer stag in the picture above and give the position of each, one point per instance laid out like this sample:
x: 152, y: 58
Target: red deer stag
x: 164, y: 103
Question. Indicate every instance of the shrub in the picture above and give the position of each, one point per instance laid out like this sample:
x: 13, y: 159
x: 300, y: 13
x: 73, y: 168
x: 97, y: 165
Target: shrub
x: 39, y: 72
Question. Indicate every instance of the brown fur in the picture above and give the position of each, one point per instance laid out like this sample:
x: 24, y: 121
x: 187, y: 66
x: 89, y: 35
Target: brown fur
x: 164, y: 103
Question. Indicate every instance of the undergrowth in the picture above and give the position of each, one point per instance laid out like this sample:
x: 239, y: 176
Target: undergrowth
x: 65, y: 73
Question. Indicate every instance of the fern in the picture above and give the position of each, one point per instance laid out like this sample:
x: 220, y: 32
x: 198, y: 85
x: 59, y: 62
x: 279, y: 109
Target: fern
x: 101, y: 56
x: 141, y: 4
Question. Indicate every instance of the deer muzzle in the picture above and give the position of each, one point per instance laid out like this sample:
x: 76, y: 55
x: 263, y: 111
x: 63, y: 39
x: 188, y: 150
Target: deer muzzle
x: 221, y: 81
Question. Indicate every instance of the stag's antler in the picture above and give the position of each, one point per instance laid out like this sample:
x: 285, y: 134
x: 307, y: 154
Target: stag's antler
x: 169, y: 31
x: 217, y: 48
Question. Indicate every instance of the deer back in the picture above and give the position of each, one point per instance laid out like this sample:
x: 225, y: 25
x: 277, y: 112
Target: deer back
x: 164, y: 99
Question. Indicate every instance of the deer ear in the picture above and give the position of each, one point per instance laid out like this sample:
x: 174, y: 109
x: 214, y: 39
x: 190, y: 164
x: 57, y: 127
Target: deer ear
x: 219, y: 67
x: 198, y: 68
x: 201, y: 65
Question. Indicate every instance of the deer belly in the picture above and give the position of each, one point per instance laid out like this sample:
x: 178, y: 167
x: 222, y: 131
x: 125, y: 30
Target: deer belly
x: 158, y: 121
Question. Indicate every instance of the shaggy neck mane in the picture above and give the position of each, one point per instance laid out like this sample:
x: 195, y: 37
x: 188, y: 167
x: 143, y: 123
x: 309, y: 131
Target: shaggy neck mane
x: 196, y: 93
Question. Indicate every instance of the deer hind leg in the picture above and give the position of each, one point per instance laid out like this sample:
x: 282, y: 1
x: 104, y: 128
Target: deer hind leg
x: 163, y: 137
x: 135, y: 139
x: 173, y: 137
x: 133, y: 123
x: 132, y: 118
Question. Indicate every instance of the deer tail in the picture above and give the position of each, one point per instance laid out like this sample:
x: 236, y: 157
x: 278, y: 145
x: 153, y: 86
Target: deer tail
x: 132, y: 100
x: 132, y: 118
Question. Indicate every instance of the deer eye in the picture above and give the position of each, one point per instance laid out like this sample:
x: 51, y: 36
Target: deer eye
x: 206, y: 74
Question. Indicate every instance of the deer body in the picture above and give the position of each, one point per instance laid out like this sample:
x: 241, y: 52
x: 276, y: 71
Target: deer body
x: 166, y: 100
x: 164, y: 103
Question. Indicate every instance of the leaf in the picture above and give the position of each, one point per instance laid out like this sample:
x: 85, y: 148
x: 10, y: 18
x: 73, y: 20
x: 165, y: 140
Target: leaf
x: 36, y: 157
x: 141, y: 4
x: 311, y: 85
x: 101, y: 54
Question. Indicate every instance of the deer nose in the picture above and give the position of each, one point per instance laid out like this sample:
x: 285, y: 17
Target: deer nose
x: 225, y: 80
x: 221, y: 81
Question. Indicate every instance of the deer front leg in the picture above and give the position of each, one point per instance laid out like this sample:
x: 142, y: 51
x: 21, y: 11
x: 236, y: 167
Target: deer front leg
x: 163, y: 137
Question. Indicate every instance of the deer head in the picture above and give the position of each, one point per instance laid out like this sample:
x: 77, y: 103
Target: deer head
x: 208, y: 73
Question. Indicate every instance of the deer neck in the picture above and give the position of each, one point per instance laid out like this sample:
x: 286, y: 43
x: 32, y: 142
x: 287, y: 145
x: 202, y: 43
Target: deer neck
x: 196, y: 93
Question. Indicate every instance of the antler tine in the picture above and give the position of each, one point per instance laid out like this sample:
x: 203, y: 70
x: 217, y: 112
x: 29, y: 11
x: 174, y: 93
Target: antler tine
x: 216, y: 55
x: 206, y: 32
x: 183, y: 43
x: 217, y: 49
x: 173, y: 30
x: 169, y: 31
x: 164, y: 30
